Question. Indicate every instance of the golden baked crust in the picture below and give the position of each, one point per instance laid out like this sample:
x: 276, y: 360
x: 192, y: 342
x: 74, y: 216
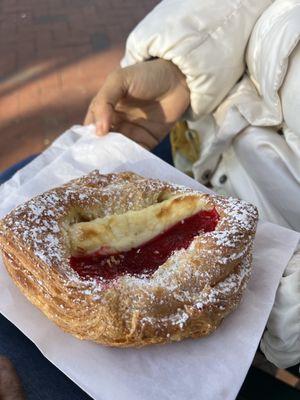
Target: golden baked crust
x: 187, y: 296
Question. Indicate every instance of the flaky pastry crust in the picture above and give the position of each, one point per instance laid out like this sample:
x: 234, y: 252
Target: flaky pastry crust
x: 188, y: 296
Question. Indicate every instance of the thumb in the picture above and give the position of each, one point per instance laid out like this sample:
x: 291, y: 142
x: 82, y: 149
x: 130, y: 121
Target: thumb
x: 112, y: 91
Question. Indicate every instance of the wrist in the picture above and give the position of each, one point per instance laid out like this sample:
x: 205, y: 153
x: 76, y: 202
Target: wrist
x: 179, y: 81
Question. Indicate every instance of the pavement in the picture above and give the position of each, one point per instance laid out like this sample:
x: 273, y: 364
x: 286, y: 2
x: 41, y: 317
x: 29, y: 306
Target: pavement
x: 54, y: 56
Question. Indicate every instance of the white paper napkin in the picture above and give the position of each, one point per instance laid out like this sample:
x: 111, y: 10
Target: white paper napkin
x: 209, y: 368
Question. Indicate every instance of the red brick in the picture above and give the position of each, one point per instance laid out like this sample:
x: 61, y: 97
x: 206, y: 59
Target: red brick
x: 49, y: 84
x: 62, y: 53
x: 76, y: 21
x: 8, y: 63
x: 40, y: 9
x: 25, y: 53
x: 25, y: 35
x: 8, y: 36
x: 55, y: 65
x: 44, y: 39
x: 70, y: 77
x: 8, y: 109
x: 24, y: 139
x: 10, y: 19
x: 24, y: 20
x: 60, y: 30
x: 82, y: 50
x: 29, y: 99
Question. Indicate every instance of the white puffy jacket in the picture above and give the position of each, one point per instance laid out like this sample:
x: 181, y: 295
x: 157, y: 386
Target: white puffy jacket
x: 205, y: 39
x: 249, y: 129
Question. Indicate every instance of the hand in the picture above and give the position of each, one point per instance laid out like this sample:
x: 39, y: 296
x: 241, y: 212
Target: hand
x: 142, y: 101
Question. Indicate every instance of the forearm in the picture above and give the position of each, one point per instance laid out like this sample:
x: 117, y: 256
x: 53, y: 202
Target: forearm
x: 206, y: 40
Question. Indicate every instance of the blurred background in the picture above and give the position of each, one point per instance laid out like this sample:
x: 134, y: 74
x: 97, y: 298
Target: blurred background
x: 54, y: 56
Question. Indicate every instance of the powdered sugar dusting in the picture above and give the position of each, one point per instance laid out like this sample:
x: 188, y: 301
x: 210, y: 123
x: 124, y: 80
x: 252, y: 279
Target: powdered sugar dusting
x: 197, y: 277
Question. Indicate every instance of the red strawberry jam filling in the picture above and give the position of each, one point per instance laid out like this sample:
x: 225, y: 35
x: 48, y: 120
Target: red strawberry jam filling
x: 147, y: 258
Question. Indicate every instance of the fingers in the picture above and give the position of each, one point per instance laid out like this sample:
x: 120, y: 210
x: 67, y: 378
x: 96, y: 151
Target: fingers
x: 155, y: 129
x: 101, y: 111
x: 89, y: 118
x: 114, y: 88
x: 103, y: 116
x: 138, y: 134
x: 10, y: 385
x: 132, y: 101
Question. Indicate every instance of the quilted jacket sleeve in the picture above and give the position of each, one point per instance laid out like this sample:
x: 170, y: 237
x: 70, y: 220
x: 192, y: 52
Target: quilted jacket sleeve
x: 206, y: 39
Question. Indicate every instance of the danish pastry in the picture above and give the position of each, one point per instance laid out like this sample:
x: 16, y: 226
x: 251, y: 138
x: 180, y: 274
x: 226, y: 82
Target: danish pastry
x: 128, y: 261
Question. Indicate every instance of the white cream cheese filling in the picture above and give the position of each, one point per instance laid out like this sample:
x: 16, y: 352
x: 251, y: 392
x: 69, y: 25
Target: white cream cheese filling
x: 117, y: 233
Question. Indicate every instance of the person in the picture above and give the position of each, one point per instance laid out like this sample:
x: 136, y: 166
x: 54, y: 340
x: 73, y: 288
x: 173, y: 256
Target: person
x: 229, y: 69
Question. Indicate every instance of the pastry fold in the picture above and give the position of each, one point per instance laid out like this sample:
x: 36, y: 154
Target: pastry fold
x: 187, y: 296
